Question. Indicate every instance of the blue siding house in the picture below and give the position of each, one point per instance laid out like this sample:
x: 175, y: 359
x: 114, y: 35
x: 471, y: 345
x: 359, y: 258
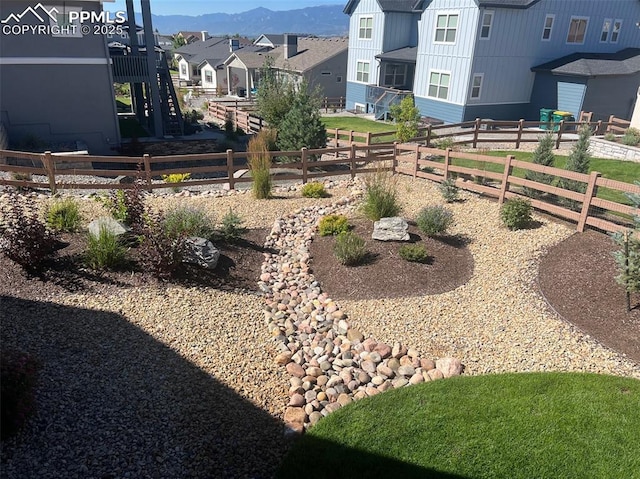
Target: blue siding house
x: 500, y: 59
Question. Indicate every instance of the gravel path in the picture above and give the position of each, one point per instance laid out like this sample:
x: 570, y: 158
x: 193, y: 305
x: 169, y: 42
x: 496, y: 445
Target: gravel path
x: 181, y: 382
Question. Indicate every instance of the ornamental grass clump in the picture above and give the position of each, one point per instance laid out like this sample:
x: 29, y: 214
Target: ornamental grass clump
x: 381, y: 196
x: 415, y: 253
x: 314, y: 190
x: 105, y: 251
x: 64, y: 215
x: 350, y: 249
x: 516, y: 213
x: 260, y: 166
x: 188, y: 221
x: 434, y: 220
x: 332, y: 225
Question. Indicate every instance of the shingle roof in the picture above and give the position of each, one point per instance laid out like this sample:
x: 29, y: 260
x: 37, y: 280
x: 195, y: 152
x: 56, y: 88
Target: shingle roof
x: 405, y: 55
x: 215, y: 50
x: 311, y: 52
x: 624, y: 62
x: 407, y: 6
x: 506, y: 3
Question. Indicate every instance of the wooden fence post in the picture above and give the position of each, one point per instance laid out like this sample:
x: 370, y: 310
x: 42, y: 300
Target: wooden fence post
x: 394, y: 163
x: 475, y: 132
x: 505, y: 178
x: 368, y: 138
x: 560, y: 130
x: 230, y: 171
x: 520, y: 127
x: 415, y: 169
x: 446, y: 163
x: 337, y: 141
x: 304, y: 164
x: 50, y: 168
x: 351, y: 137
x: 588, y: 196
x: 428, y: 135
x: 352, y: 161
x: 610, y: 122
x: 146, y: 160
x: 598, y: 128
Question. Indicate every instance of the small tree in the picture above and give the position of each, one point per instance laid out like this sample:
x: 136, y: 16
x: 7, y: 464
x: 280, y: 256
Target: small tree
x: 578, y: 161
x: 628, y: 257
x: 274, y: 96
x: 543, y: 155
x: 178, y: 41
x: 301, y: 126
x: 407, y: 117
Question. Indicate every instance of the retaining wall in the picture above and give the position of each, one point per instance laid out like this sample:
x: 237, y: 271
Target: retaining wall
x: 601, y: 148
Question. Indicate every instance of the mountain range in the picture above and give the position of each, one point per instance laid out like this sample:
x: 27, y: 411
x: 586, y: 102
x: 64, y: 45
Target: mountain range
x: 324, y: 20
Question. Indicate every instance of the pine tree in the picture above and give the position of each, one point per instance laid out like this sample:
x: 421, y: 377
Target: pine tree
x: 301, y: 126
x: 543, y: 155
x: 274, y: 96
x: 579, y: 161
x: 628, y: 257
x: 407, y: 117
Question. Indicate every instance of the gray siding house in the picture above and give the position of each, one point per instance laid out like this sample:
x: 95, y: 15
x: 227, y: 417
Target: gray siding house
x: 463, y: 59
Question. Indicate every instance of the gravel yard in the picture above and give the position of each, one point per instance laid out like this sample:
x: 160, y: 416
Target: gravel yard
x: 181, y: 381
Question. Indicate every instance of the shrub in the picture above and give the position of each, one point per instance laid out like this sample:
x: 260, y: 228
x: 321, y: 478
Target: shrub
x: 105, y: 251
x: 192, y: 117
x: 579, y: 161
x: 406, y: 116
x: 64, y: 215
x: 350, y: 249
x: 314, y: 190
x: 631, y: 137
x: 444, y: 143
x: 127, y: 205
x: 176, y: 178
x: 434, y: 220
x: 260, y: 165
x: 543, y: 155
x: 610, y: 137
x: 333, y: 225
x: 416, y: 253
x: 18, y: 376
x: 449, y: 190
x: 24, y: 238
x: 187, y: 221
x: 516, y: 213
x: 231, y: 229
x: 381, y: 197
x: 628, y: 257
x: 159, y: 254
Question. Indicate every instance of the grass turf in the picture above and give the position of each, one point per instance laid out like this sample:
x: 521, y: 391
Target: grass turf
x: 542, y: 425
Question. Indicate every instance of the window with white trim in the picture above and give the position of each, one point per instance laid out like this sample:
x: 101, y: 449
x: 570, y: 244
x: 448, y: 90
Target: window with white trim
x: 395, y: 74
x: 606, y: 28
x: 548, y: 26
x: 446, y: 27
x: 577, y: 30
x: 362, y: 72
x: 476, y: 85
x: 487, y: 22
x: 183, y: 69
x: 360, y: 108
x: 365, y: 29
x: 208, y: 76
x: 439, y: 85
x: 615, y: 33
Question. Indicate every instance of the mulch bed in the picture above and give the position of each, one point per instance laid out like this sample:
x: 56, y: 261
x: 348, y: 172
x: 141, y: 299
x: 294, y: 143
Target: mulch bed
x: 385, y: 274
x: 577, y: 279
x: 238, y: 269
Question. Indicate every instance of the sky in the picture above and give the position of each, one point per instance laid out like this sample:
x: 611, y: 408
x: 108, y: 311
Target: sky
x: 201, y: 7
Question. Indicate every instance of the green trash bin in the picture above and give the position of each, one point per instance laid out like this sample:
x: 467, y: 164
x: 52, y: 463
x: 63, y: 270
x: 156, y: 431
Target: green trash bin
x: 545, y: 118
x: 558, y: 116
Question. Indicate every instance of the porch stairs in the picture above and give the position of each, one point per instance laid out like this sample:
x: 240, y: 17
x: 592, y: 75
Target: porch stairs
x: 383, y: 103
x: 172, y: 121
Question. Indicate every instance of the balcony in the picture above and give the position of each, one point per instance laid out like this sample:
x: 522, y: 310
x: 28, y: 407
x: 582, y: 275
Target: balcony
x: 134, y: 68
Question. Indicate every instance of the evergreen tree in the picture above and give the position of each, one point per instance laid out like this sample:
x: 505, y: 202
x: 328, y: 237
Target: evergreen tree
x: 579, y: 161
x: 301, y: 126
x: 274, y: 96
x: 628, y: 257
x: 543, y: 155
x: 407, y: 117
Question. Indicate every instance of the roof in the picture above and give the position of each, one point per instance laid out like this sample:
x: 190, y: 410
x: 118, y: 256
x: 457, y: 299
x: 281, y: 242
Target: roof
x: 311, y: 52
x: 506, y: 3
x: 405, y: 6
x: 623, y: 62
x: 403, y: 55
x: 215, y: 50
x: 273, y: 39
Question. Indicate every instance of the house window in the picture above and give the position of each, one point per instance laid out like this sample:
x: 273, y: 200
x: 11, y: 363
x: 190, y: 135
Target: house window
x: 439, y: 85
x: 366, y: 28
x: 183, y: 69
x: 548, y: 26
x: 485, y: 29
x: 615, y: 33
x: 395, y: 74
x: 360, y: 108
x: 446, y: 26
x: 208, y: 76
x: 362, y: 72
x: 577, y: 30
x: 606, y: 28
x: 476, y: 85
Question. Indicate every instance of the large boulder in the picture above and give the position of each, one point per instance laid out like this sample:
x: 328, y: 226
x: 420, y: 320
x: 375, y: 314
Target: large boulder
x: 112, y: 225
x: 201, y: 252
x: 391, y: 229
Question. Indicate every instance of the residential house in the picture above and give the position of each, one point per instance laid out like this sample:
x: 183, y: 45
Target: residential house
x: 322, y: 62
x: 501, y: 59
x: 192, y: 37
x: 201, y: 62
x: 57, y: 84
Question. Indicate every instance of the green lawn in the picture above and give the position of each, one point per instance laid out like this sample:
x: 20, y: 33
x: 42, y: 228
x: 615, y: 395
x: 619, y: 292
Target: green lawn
x: 357, y: 124
x: 542, y: 425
